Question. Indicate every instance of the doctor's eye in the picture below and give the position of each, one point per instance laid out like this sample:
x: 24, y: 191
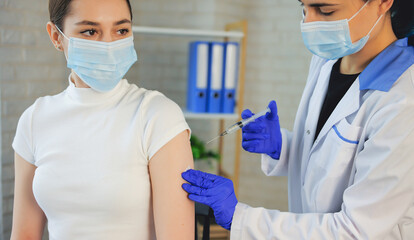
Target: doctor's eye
x: 89, y: 32
x: 123, y: 31
x: 325, y: 13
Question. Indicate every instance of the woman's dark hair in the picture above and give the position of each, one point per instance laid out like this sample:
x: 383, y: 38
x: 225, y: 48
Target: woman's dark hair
x: 59, y: 9
x: 402, y: 18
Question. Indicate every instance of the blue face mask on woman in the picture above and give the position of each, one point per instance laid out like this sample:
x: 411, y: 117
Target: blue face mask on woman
x: 332, y: 39
x: 101, y: 65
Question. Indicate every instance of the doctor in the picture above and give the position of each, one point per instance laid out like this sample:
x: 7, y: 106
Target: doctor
x: 350, y: 157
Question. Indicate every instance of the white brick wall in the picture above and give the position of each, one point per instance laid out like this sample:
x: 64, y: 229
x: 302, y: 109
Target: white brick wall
x: 277, y: 66
x: 1, y: 167
x: 29, y: 68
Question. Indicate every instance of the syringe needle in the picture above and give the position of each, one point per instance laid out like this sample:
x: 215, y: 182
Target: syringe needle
x: 213, y: 139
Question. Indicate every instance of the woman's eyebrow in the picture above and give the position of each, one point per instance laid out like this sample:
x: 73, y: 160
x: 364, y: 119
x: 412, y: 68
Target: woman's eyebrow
x: 91, y: 23
x: 86, y: 22
x: 122, y: 22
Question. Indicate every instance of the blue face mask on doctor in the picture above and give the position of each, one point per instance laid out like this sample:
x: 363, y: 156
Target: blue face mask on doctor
x: 101, y: 65
x: 332, y: 39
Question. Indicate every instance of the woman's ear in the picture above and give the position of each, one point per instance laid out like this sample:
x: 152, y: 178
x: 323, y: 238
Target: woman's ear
x: 54, y: 36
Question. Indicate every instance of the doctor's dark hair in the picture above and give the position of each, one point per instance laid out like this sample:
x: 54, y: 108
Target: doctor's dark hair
x: 59, y: 9
x: 402, y: 18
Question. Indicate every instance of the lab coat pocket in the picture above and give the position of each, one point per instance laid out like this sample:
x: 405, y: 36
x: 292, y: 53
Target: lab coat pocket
x: 347, y: 133
x: 330, y: 166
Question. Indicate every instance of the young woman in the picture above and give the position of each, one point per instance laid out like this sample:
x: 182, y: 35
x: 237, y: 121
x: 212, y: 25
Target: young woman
x: 100, y: 160
x: 350, y: 157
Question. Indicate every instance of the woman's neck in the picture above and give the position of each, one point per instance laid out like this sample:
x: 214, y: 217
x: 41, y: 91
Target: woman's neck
x: 356, y: 63
x: 77, y: 81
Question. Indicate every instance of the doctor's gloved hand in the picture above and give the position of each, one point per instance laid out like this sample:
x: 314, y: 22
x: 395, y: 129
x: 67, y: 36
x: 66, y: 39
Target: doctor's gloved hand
x: 214, y: 191
x: 263, y: 135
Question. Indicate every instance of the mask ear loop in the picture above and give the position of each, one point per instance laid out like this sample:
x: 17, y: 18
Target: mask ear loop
x: 356, y: 14
x: 372, y: 29
x: 64, y: 51
x: 61, y: 32
x: 64, y: 37
x: 376, y: 23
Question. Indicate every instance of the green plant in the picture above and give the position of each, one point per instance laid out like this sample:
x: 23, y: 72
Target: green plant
x: 199, y: 150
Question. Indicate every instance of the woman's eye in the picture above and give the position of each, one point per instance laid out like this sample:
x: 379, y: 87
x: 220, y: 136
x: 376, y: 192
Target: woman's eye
x: 89, y: 32
x: 123, y: 31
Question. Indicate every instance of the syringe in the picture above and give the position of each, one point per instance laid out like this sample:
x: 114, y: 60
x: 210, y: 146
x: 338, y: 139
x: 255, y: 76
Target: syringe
x: 241, y: 124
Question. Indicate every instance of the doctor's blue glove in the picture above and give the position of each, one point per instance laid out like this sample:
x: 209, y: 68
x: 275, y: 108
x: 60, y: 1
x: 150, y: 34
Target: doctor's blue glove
x: 263, y: 135
x: 214, y: 191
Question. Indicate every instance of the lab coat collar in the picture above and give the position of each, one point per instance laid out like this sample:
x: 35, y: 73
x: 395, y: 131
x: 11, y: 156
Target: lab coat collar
x: 380, y: 75
x: 387, y: 67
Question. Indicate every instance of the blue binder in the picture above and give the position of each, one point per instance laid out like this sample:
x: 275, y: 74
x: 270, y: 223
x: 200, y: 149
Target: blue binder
x: 215, y: 77
x: 197, y: 77
x: 231, y: 70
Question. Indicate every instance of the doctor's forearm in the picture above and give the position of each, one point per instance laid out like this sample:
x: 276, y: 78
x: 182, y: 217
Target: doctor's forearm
x: 260, y: 223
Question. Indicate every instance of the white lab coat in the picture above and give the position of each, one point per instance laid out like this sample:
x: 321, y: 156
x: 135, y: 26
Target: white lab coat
x: 356, y: 181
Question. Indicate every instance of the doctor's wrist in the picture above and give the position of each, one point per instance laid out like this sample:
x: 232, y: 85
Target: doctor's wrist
x: 274, y: 155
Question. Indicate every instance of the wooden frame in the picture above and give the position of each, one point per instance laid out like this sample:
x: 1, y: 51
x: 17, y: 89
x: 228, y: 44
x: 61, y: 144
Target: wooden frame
x: 241, y: 26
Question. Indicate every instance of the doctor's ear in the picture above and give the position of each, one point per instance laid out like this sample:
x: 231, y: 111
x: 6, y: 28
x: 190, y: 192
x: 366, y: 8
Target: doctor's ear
x: 385, y: 6
x: 54, y: 36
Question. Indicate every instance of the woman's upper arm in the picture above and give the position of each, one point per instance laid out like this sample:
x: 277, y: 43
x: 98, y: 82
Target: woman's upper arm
x: 173, y: 211
x: 28, y: 218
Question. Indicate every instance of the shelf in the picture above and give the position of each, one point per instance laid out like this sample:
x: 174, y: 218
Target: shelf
x: 187, y: 32
x: 210, y: 116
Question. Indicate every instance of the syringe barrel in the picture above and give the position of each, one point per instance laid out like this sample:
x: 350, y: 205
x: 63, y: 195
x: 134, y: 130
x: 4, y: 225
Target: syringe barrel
x: 254, y: 117
x: 244, y: 122
x: 234, y: 128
